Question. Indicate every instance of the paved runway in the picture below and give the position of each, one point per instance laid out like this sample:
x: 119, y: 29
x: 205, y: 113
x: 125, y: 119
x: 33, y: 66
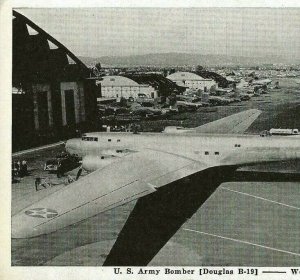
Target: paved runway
x: 242, y: 223
x: 253, y: 224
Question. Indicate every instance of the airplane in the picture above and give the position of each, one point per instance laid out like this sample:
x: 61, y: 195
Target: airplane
x: 261, y: 82
x: 218, y: 100
x: 152, y: 168
x: 189, y: 105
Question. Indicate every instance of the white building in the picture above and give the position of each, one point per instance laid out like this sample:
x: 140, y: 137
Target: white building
x: 118, y: 86
x: 192, y: 81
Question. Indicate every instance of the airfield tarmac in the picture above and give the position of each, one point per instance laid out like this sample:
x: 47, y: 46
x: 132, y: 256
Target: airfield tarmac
x: 243, y: 223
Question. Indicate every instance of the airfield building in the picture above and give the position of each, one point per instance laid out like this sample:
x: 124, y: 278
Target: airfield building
x: 118, y: 86
x: 192, y: 81
x: 161, y: 84
x: 52, y: 93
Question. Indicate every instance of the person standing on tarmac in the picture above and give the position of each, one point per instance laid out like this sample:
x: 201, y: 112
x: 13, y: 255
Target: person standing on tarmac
x: 23, y: 168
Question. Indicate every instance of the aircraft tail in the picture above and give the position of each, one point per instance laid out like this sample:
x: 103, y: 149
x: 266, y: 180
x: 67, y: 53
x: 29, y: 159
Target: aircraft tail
x: 234, y: 124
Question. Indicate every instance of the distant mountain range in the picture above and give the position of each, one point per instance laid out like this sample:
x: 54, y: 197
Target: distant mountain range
x: 181, y: 59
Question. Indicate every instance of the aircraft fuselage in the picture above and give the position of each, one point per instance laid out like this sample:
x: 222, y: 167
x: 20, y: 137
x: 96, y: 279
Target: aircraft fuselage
x: 213, y: 149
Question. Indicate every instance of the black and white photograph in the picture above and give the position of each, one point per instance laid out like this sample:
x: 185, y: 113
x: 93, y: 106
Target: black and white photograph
x: 155, y: 136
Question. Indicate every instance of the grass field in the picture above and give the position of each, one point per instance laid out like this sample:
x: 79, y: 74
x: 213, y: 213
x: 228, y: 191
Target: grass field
x: 280, y: 108
x: 242, y: 223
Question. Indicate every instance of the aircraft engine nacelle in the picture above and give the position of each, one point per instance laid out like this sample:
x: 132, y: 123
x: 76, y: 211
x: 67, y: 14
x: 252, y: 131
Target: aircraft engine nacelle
x: 91, y: 162
x: 175, y: 129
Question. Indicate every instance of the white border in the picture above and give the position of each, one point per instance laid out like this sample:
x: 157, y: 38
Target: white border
x: 155, y: 3
x: 45, y: 273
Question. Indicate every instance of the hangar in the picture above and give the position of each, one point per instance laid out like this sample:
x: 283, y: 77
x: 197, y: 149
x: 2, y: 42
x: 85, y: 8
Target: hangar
x: 131, y: 85
x: 118, y: 86
x: 192, y: 81
x: 162, y: 85
x: 52, y: 94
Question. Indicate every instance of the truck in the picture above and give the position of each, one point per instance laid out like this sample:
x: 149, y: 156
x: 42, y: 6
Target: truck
x: 284, y: 131
x: 61, y: 164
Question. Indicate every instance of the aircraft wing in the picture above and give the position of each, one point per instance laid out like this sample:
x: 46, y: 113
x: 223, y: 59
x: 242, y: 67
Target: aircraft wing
x: 127, y: 179
x: 234, y: 124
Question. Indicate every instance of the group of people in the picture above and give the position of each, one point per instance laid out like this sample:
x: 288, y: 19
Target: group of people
x: 19, y: 168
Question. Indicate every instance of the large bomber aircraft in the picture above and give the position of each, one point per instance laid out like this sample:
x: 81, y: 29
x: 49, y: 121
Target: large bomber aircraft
x: 154, y: 169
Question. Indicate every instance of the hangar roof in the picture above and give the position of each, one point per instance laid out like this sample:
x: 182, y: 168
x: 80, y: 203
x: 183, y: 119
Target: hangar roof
x: 185, y: 76
x: 118, y: 81
x: 38, y: 57
x: 163, y: 85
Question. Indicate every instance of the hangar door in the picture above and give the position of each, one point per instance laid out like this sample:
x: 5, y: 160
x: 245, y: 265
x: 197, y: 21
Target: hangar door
x: 70, y: 106
x: 43, y: 116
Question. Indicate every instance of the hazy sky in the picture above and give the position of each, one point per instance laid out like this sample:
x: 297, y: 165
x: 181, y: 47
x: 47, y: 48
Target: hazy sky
x: 128, y: 31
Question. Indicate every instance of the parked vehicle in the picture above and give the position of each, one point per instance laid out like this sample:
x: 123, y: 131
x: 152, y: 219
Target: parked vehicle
x: 61, y: 164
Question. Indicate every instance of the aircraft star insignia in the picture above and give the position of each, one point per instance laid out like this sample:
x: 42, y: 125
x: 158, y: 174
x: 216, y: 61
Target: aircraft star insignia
x: 45, y: 213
